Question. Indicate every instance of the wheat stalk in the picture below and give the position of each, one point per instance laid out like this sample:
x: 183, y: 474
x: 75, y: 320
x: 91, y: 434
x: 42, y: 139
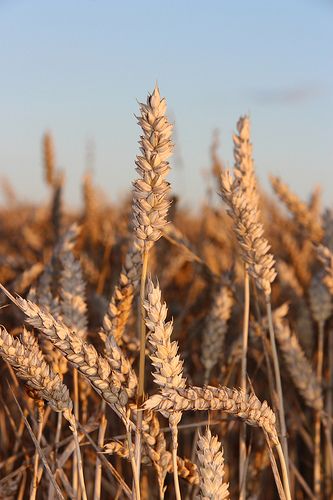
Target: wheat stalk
x: 150, y: 207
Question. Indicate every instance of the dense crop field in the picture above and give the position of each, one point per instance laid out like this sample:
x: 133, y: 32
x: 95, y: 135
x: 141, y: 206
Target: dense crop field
x: 147, y: 352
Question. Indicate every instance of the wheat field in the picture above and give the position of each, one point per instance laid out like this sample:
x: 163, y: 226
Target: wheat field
x: 149, y: 352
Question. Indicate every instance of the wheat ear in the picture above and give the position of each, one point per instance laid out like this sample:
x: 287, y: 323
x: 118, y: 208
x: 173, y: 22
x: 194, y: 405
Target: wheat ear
x: 119, y: 308
x: 83, y: 356
x: 298, y: 365
x: 49, y: 160
x: 150, y: 207
x: 211, y: 468
x: 30, y: 366
x: 302, y: 215
x: 215, y: 328
x: 168, y: 368
x: 321, y: 309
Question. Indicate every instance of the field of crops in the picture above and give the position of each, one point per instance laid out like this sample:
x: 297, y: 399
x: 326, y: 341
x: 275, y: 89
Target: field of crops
x: 148, y: 352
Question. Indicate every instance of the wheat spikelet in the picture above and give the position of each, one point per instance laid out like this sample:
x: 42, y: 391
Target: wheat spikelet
x: 165, y: 359
x: 215, y: 329
x: 121, y: 365
x: 119, y: 308
x: 320, y: 298
x: 326, y: 258
x: 90, y: 208
x: 244, y: 167
x: 28, y: 277
x: 232, y: 401
x: 328, y: 228
x: 83, y: 356
x: 49, y: 162
x: 211, y: 468
x: 298, y: 365
x: 299, y: 257
x: 56, y: 205
x: 186, y: 469
x: 315, y: 202
x: 71, y: 285
x: 299, y: 209
x: 254, y: 247
x: 30, y: 366
x: 150, y: 204
x: 288, y: 278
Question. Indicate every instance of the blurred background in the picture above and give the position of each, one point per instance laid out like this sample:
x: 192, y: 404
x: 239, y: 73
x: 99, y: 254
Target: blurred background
x: 77, y: 69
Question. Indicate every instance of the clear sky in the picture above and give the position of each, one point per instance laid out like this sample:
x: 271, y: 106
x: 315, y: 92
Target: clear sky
x: 77, y: 68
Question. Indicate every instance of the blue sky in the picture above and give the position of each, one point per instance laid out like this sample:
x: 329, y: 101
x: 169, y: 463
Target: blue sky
x: 77, y: 68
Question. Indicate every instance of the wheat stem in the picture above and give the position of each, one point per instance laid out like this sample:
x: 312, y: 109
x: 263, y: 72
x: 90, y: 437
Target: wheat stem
x: 79, y: 462
x: 34, y: 484
x: 285, y: 473
x: 75, y: 481
x: 141, y: 382
x: 136, y: 478
x: 328, y: 467
x: 174, y: 434
x: 278, y: 384
x: 317, y: 454
x: 100, y: 443
x: 242, y: 436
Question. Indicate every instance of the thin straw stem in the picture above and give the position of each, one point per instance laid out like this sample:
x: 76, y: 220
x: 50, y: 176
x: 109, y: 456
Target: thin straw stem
x: 75, y: 482
x: 329, y: 409
x: 242, y: 436
x: 174, y: 433
x: 34, y: 484
x: 285, y: 473
x: 136, y: 482
x: 278, y: 384
x: 317, y: 440
x: 141, y: 381
x: 100, y: 442
x: 79, y: 463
